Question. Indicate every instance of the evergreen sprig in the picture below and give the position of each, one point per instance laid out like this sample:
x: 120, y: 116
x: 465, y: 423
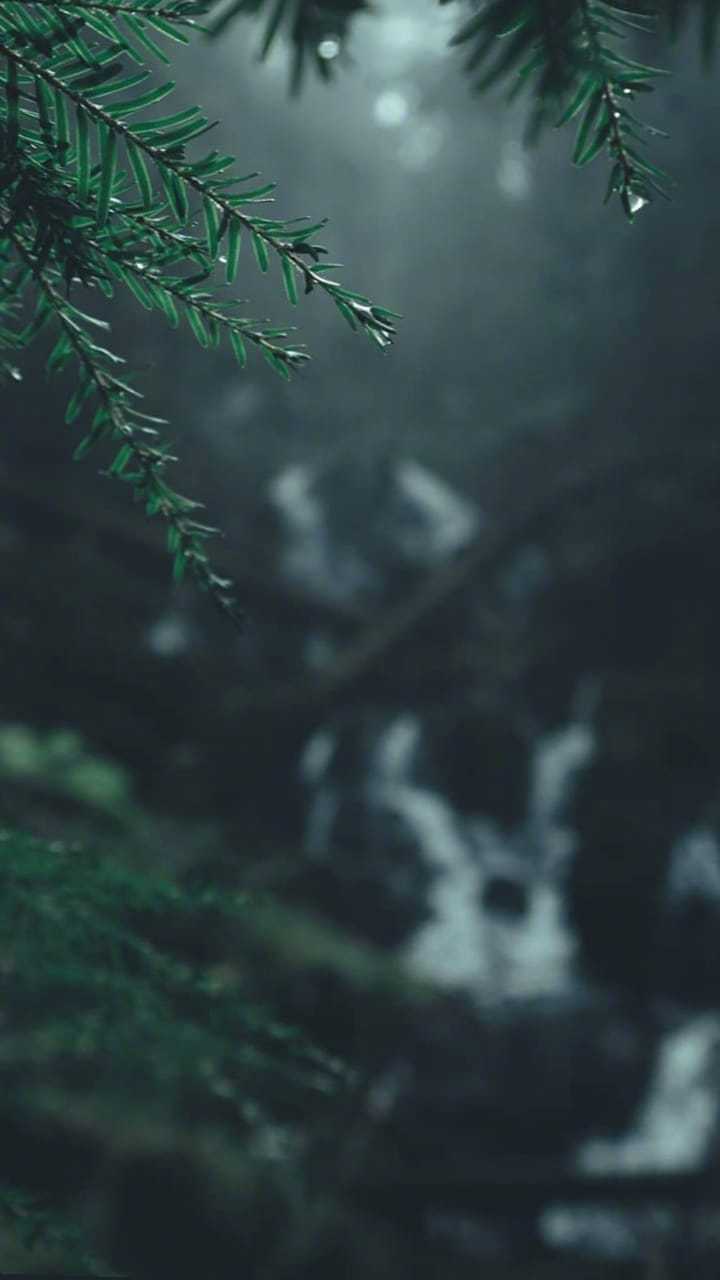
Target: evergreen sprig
x: 129, y: 994
x: 563, y: 50
x: 93, y: 969
x: 98, y: 191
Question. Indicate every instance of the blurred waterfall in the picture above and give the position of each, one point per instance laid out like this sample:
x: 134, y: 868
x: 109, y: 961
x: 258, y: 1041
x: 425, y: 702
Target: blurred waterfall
x: 469, y: 939
x: 679, y: 1117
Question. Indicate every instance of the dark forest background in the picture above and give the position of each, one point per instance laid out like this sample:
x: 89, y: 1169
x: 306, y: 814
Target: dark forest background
x: 465, y: 751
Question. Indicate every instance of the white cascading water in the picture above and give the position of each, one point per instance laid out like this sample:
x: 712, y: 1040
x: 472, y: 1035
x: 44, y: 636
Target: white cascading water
x: 423, y: 522
x: 678, y: 1118
x: 495, y: 958
x: 463, y: 945
x: 673, y: 1132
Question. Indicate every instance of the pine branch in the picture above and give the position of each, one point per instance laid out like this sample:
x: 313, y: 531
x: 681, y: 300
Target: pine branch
x: 71, y: 214
x: 116, y: 419
x: 607, y: 119
x: 95, y: 952
x: 206, y: 319
x: 163, y: 142
x: 182, y: 12
x: 559, y: 49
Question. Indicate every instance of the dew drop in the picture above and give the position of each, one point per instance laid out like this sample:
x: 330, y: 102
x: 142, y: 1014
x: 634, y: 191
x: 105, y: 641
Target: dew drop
x: 328, y: 48
x: 636, y: 202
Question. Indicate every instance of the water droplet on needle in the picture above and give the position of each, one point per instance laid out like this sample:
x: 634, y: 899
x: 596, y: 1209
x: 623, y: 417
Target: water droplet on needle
x: 636, y: 202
